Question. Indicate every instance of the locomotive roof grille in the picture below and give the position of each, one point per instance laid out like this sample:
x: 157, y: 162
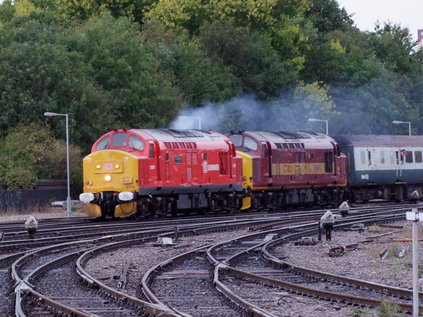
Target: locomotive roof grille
x: 291, y: 135
x: 184, y: 133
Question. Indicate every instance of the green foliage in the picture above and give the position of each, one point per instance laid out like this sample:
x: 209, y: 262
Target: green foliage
x: 7, y: 11
x: 139, y: 95
x: 393, y: 46
x: 30, y: 152
x: 130, y: 63
x: 250, y: 56
x: 327, y: 16
x: 199, y: 78
x: 388, y: 309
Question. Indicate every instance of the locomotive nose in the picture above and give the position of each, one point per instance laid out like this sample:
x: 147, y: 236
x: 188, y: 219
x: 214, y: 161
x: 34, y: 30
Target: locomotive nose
x: 110, y: 183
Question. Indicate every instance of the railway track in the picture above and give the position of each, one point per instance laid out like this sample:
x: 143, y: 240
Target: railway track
x: 200, y: 282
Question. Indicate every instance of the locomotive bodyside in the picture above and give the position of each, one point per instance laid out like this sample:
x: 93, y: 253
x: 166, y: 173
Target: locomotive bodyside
x: 158, y: 171
x: 383, y: 166
x: 292, y: 168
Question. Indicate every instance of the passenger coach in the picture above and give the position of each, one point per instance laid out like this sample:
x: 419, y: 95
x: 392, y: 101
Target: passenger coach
x: 383, y: 166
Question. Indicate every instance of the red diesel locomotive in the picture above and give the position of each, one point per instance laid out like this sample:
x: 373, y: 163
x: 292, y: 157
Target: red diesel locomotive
x: 158, y: 171
x: 287, y: 168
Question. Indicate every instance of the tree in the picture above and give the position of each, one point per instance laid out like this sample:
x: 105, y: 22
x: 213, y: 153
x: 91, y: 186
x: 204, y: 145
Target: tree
x: 30, y: 152
x: 327, y: 16
x: 393, y: 45
x: 7, y: 11
x: 139, y: 94
x: 250, y: 56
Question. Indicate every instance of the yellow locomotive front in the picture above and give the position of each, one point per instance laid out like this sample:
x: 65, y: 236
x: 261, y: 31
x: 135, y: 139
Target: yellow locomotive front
x: 110, y: 183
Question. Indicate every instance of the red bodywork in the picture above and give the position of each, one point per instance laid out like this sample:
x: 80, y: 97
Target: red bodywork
x: 173, y: 159
x: 292, y: 160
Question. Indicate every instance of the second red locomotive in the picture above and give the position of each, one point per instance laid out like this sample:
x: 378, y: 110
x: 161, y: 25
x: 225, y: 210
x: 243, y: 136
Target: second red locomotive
x: 287, y: 168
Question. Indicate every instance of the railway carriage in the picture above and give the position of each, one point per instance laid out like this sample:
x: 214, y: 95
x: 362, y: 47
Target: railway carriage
x: 383, y: 166
x: 160, y: 171
x: 287, y: 168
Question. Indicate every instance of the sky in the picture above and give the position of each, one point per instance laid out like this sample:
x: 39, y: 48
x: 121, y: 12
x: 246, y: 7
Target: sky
x: 407, y: 13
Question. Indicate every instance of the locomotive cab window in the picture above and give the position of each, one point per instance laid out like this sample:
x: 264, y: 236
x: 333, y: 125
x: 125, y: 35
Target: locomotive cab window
x: 119, y: 139
x: 103, y: 144
x: 136, y: 143
x: 236, y: 139
x: 249, y: 143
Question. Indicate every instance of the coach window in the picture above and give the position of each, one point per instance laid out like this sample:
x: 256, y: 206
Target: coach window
x: 119, y: 139
x: 136, y: 143
x: 408, y: 157
x: 392, y: 157
x: 418, y: 156
x: 382, y: 157
x: 363, y: 158
x: 369, y: 156
x: 103, y: 144
x: 178, y: 159
x: 249, y: 143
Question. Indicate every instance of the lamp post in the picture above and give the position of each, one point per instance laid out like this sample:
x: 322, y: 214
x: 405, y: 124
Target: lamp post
x: 404, y: 122
x: 321, y: 120
x: 68, y: 200
x: 195, y: 118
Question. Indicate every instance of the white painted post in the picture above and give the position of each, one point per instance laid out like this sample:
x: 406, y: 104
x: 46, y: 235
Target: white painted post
x: 414, y: 216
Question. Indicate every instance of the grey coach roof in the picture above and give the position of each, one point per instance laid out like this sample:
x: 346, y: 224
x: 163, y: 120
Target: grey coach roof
x: 379, y: 140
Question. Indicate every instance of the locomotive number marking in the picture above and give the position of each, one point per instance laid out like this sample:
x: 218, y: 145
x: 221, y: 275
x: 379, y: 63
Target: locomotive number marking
x: 152, y: 167
x: 107, y: 166
x: 213, y: 167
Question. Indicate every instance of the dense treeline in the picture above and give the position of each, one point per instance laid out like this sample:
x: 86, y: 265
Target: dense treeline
x: 138, y: 63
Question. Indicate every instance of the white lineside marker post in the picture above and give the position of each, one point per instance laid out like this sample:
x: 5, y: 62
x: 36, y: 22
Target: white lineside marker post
x: 415, y: 217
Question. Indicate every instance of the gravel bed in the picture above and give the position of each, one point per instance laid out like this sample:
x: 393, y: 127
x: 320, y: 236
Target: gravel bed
x: 108, y: 267
x: 364, y: 263
x: 284, y: 304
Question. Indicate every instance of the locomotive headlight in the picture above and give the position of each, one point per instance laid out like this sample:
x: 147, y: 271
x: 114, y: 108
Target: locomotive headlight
x: 98, y: 166
x: 117, y: 166
x: 107, y: 178
x: 126, y: 196
x: 86, y: 197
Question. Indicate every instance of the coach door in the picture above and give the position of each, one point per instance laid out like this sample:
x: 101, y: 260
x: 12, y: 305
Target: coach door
x: 399, y: 162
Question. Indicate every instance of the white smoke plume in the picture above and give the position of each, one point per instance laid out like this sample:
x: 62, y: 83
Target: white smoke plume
x: 245, y: 113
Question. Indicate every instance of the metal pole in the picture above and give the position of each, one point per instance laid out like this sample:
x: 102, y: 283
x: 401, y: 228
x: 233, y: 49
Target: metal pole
x: 415, y: 230
x: 409, y: 128
x: 68, y: 203
x: 327, y: 127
